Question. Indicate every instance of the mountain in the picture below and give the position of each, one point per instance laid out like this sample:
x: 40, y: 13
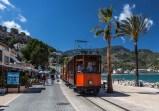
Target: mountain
x: 123, y: 57
x: 100, y: 51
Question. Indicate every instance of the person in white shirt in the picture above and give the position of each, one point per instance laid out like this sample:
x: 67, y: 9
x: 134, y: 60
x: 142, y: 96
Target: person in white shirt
x: 79, y: 68
x: 89, y: 67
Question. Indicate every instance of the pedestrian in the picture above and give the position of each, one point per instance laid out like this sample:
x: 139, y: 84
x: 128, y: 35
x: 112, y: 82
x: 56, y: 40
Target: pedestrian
x: 44, y: 79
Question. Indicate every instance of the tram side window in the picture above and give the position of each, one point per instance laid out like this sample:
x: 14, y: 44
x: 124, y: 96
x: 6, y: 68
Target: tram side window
x: 79, y: 67
x: 71, y: 69
x: 0, y: 55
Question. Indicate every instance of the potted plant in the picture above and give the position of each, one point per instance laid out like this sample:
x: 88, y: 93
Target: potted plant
x: 2, y: 88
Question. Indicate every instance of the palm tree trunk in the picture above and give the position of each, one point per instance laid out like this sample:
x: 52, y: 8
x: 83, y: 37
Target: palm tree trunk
x: 109, y: 66
x: 136, y: 56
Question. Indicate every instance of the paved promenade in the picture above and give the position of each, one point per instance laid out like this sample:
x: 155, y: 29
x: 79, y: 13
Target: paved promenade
x: 6, y: 99
x: 77, y: 101
x: 39, y: 98
x: 58, y: 97
x: 134, y: 98
x: 128, y: 97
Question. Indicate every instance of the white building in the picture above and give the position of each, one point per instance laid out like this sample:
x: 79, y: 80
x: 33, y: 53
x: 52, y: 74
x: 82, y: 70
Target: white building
x: 7, y: 55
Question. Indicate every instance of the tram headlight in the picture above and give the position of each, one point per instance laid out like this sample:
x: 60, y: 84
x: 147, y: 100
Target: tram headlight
x: 90, y: 82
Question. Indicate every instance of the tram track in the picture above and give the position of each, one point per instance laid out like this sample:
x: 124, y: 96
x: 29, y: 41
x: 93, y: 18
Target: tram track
x: 96, y: 104
x: 104, y: 104
x: 125, y: 109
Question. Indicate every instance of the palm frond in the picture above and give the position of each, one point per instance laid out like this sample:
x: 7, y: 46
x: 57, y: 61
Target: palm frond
x: 105, y: 15
x: 132, y: 26
x: 99, y: 32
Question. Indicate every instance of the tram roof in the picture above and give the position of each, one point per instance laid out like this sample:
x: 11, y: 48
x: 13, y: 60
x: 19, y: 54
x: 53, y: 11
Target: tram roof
x: 86, y: 55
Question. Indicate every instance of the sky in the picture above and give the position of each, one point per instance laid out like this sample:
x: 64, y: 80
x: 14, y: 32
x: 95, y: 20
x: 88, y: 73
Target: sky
x: 60, y: 22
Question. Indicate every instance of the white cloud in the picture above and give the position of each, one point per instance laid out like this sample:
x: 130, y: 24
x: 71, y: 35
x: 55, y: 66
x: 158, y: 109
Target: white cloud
x: 7, y: 3
x: 115, y: 17
x: 133, y: 6
x: 4, y: 4
x: 123, y: 39
x: 13, y: 24
x: 149, y: 23
x: 2, y: 7
x: 21, y: 18
x: 26, y: 32
x: 126, y: 12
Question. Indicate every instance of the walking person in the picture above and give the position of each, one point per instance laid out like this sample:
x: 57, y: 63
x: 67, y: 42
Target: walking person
x: 44, y: 79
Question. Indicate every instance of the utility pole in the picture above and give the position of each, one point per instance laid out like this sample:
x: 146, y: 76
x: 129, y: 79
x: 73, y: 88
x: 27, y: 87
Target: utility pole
x: 80, y: 45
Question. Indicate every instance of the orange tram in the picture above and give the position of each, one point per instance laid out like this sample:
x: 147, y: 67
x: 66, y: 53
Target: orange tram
x: 83, y: 73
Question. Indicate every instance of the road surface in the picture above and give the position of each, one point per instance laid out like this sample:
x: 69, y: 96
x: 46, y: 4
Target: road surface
x: 38, y: 98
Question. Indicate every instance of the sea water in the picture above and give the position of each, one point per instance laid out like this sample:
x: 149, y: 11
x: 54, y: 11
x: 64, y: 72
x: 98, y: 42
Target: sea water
x: 148, y: 77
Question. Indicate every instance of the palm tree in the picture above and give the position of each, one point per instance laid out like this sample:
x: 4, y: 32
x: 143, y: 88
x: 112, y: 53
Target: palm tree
x: 133, y: 27
x: 105, y: 16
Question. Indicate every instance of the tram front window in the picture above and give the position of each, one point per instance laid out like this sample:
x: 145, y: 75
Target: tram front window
x: 92, y: 67
x: 89, y: 67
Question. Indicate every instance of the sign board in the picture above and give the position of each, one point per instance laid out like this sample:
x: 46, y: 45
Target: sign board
x: 13, y: 78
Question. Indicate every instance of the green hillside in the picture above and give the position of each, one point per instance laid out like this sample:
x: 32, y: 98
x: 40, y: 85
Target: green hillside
x: 29, y: 49
x: 125, y: 58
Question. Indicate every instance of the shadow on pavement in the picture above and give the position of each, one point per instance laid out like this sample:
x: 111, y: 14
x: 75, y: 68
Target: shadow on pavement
x: 145, y: 92
x: 114, y: 94
x: 103, y: 93
x: 2, y: 94
x: 33, y: 90
x: 1, y: 107
x: 151, y: 93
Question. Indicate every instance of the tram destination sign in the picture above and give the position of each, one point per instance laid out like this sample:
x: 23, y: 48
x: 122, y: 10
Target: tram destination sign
x: 13, y: 78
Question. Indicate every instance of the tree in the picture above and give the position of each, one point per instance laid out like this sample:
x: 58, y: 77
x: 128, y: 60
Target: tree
x: 132, y: 27
x: 105, y: 16
x: 36, y: 53
x: 40, y: 55
x: 14, y: 31
x: 3, y: 28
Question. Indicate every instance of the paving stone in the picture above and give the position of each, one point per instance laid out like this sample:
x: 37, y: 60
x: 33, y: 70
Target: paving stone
x: 47, y: 98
